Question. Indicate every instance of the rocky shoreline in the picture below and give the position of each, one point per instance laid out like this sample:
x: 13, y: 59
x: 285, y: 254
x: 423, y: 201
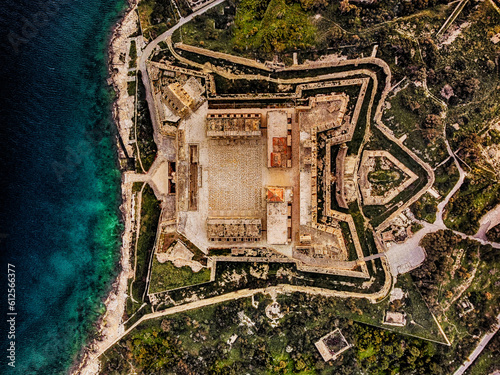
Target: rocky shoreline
x: 110, y: 325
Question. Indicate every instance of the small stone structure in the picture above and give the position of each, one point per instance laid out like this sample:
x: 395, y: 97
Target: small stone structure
x: 180, y: 256
x: 395, y: 319
x: 332, y: 345
x: 177, y: 98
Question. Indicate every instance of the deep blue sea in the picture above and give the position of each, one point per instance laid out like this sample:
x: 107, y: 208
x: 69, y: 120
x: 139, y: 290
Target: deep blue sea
x: 59, y: 189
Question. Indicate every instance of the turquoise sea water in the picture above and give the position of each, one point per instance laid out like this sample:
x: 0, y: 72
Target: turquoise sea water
x: 60, y: 224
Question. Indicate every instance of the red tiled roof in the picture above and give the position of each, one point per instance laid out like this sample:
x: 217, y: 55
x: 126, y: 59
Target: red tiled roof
x: 275, y: 195
x: 279, y: 154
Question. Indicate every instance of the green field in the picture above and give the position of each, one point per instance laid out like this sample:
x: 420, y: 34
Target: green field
x: 165, y: 276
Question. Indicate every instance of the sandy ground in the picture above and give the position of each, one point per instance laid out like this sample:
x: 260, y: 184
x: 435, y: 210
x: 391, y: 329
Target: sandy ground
x: 110, y: 325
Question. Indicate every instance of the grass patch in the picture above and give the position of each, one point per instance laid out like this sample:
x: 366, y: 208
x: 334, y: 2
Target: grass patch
x: 377, y: 214
x: 425, y: 208
x: 455, y: 272
x: 476, y: 197
x: 446, y: 177
x: 132, y: 54
x: 166, y: 276
x: 346, y: 233
x: 274, y: 26
x: 150, y: 213
x: 406, y: 116
x: 197, y: 341
x: 131, y: 85
x: 145, y: 138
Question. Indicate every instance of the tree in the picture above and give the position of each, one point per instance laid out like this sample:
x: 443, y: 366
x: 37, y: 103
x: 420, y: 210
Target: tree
x: 346, y: 7
x: 467, y: 87
x: 432, y: 122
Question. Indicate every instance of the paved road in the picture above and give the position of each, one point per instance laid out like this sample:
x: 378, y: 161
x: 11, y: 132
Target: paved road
x: 374, y: 256
x: 479, y: 348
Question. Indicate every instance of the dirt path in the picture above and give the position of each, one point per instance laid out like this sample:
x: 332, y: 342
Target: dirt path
x: 246, y: 293
x: 440, y: 208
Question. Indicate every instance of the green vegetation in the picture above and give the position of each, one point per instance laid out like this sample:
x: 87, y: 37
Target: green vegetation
x: 231, y: 276
x: 349, y: 243
x: 385, y: 176
x: 137, y: 186
x: 467, y: 73
x: 145, y: 139
x: 132, y: 55
x: 487, y: 362
x: 365, y: 235
x: 415, y: 115
x: 236, y: 275
x: 457, y: 271
x: 494, y: 233
x: 156, y: 16
x: 272, y: 26
x: 150, y: 213
x: 131, y: 85
x: 446, y: 176
x: 263, y: 26
x: 425, y: 208
x: 476, y: 197
x: 219, y: 252
x: 166, y: 276
x: 363, y: 120
x: 257, y: 28
x: 377, y: 214
x: 199, y: 342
